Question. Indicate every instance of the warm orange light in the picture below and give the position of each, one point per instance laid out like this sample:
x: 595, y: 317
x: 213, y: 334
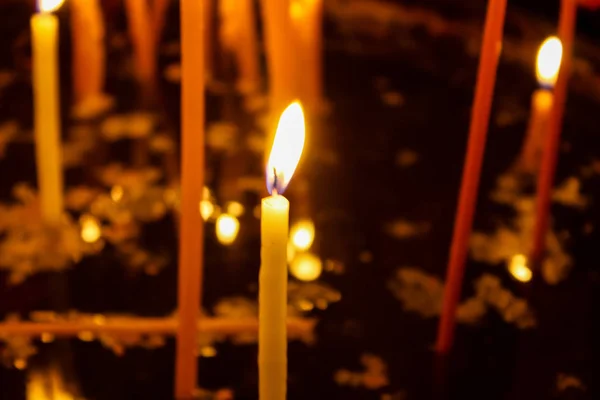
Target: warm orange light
x: 90, y: 229
x: 227, y: 228
x: 306, y: 267
x: 47, y: 6
x: 302, y: 234
x: 548, y: 61
x: 518, y: 268
x: 287, y: 148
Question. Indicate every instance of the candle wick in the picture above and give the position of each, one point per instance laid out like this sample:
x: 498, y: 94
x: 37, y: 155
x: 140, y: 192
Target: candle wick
x: 274, y: 181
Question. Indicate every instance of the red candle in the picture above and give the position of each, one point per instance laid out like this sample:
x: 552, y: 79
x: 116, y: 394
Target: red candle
x: 484, y: 90
x: 566, y: 32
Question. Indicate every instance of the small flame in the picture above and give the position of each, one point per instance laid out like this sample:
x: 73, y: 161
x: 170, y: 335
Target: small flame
x: 548, y: 61
x: 90, y: 229
x: 48, y: 6
x: 227, y: 228
x: 287, y: 148
x: 303, y: 234
x: 518, y: 268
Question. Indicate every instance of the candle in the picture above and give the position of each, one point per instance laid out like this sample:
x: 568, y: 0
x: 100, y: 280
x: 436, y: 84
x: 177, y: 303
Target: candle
x: 566, y: 32
x: 247, y: 51
x: 87, y: 28
x: 548, y: 63
x: 142, y: 38
x: 272, y: 298
x: 191, y: 236
x: 307, y: 32
x: 46, y: 99
x: 484, y: 90
x: 276, y: 15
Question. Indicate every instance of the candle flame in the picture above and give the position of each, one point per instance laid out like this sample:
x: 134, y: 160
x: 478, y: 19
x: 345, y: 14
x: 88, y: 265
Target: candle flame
x: 287, y: 148
x: 48, y: 6
x: 303, y: 234
x: 227, y: 228
x: 306, y: 267
x: 548, y: 61
x: 518, y: 268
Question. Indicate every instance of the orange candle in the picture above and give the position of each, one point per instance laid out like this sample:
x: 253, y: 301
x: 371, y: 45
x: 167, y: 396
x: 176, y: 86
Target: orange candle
x: 46, y: 101
x: 566, y: 32
x: 548, y: 63
x: 247, y: 51
x: 484, y: 91
x: 142, y: 38
x: 191, y: 236
x: 87, y: 28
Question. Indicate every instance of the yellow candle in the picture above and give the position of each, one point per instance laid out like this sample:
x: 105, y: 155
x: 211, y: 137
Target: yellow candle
x: 272, y: 336
x: 44, y: 36
x: 191, y: 234
x: 87, y: 28
x: 548, y: 63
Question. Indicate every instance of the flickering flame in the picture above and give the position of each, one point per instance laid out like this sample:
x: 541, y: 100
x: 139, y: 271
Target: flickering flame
x: 47, y: 385
x: 227, y: 227
x: 306, y: 267
x: 548, y: 61
x: 90, y: 229
x: 287, y: 148
x: 48, y: 6
x: 303, y: 234
x: 207, y: 209
x: 518, y: 268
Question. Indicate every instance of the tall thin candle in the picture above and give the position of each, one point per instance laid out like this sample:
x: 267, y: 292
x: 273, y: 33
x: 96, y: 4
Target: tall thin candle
x: 44, y: 36
x: 566, y: 33
x: 272, y: 298
x: 484, y: 91
x: 191, y: 236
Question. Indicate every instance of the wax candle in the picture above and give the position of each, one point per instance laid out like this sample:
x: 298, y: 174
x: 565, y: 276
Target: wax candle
x: 272, y: 336
x: 87, y: 27
x: 142, y: 38
x: 566, y: 33
x: 480, y: 114
x: 46, y: 101
x: 191, y: 235
x: 247, y: 49
x: 548, y: 63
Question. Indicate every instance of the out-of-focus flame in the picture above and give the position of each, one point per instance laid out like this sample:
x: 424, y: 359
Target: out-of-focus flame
x: 235, y: 208
x: 47, y: 385
x: 548, y: 61
x: 306, y: 267
x: 287, y: 148
x: 207, y: 209
x: 302, y: 234
x: 90, y: 229
x: 47, y: 6
x: 227, y: 227
x: 116, y: 193
x: 518, y: 268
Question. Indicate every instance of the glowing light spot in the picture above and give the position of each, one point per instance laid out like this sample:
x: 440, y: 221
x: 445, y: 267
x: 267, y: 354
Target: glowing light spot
x: 20, y: 364
x: 116, y: 193
x: 306, y: 305
x: 208, y: 352
x: 207, y: 209
x: 227, y: 228
x: 306, y: 267
x: 99, y: 319
x: 85, y: 336
x: 303, y: 234
x: 47, y: 6
x: 90, y: 229
x: 518, y: 268
x: 47, y: 337
x: 234, y: 208
x: 548, y: 61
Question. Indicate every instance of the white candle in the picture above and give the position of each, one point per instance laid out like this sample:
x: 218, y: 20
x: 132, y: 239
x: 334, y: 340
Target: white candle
x: 44, y: 37
x: 548, y: 63
x: 272, y: 336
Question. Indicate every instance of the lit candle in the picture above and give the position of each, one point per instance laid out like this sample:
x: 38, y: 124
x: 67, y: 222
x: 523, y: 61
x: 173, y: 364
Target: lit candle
x: 191, y: 235
x: 142, y: 38
x: 87, y: 28
x: 272, y: 337
x: 548, y: 63
x: 463, y: 222
x: 566, y: 33
x: 44, y: 36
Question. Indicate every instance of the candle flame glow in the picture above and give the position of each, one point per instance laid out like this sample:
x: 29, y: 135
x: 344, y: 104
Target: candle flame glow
x: 287, y: 148
x: 518, y: 268
x: 227, y: 228
x: 303, y: 234
x: 306, y: 267
x: 548, y: 61
x: 48, y: 6
x: 90, y: 229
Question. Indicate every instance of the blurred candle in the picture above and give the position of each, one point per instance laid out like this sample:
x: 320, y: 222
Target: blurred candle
x: 566, y: 32
x: 191, y: 235
x: 467, y: 202
x: 142, y: 38
x: 547, y: 66
x: 87, y: 27
x: 272, y: 336
x: 44, y: 37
